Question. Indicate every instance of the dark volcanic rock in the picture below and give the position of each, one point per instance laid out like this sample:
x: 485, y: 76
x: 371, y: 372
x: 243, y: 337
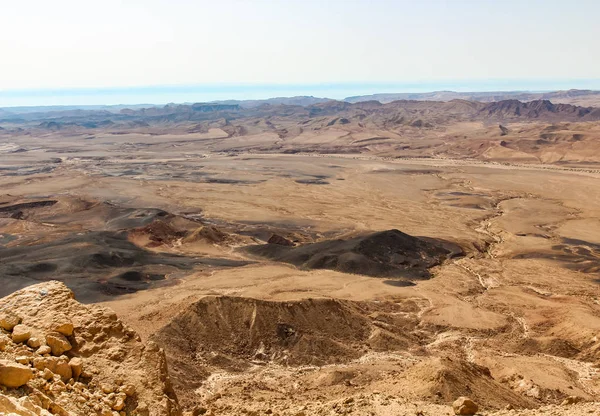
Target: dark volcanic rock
x: 384, y: 254
x: 27, y: 205
x: 86, y: 262
x: 282, y: 241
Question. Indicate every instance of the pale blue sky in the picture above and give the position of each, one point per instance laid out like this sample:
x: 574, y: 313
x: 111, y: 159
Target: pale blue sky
x: 67, y: 44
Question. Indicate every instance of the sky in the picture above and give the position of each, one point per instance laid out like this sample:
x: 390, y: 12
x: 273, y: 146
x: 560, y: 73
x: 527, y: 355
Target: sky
x: 128, y: 51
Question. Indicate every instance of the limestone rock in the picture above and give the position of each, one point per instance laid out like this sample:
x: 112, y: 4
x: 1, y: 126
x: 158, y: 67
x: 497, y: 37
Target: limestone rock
x: 43, y: 350
x: 107, y: 388
x: 100, y: 346
x: 63, y: 369
x: 13, y: 374
x: 63, y: 326
x: 128, y: 389
x: 22, y: 359
x: 4, y: 341
x: 11, y: 406
x: 21, y: 333
x: 76, y: 365
x: 58, y: 365
x: 58, y: 343
x: 464, y: 406
x: 119, y: 402
x: 34, y: 342
x: 47, y: 374
x: 9, y: 320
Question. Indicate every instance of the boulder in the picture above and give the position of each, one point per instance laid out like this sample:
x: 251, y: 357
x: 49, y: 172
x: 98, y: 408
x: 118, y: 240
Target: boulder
x: 63, y: 369
x: 9, y: 320
x: 58, y: 343
x: 64, y: 326
x: 34, y: 342
x: 21, y: 333
x: 128, y: 389
x: 43, y: 350
x: 119, y: 402
x: 107, y: 388
x: 47, y: 374
x: 76, y: 364
x: 464, y: 406
x: 13, y: 374
x: 23, y: 359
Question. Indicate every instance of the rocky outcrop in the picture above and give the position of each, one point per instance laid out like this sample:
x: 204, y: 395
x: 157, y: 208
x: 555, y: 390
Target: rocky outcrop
x: 58, y: 356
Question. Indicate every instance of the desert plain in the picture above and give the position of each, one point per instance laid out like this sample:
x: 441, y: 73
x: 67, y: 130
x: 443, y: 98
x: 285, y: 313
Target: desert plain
x: 321, y: 259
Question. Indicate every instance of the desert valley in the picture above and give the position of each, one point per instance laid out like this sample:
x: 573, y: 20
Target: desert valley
x: 372, y: 256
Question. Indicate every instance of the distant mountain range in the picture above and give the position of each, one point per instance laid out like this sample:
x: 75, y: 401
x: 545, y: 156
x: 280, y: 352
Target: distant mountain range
x: 322, y: 115
x: 579, y: 97
x: 50, y: 108
x: 573, y: 104
x: 299, y: 100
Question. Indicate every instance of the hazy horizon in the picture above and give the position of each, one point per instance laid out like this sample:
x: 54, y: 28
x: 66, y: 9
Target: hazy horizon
x: 160, y: 95
x: 114, y: 52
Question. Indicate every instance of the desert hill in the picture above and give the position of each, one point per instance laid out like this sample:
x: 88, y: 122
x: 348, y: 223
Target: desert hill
x: 385, y: 254
x: 242, y: 333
